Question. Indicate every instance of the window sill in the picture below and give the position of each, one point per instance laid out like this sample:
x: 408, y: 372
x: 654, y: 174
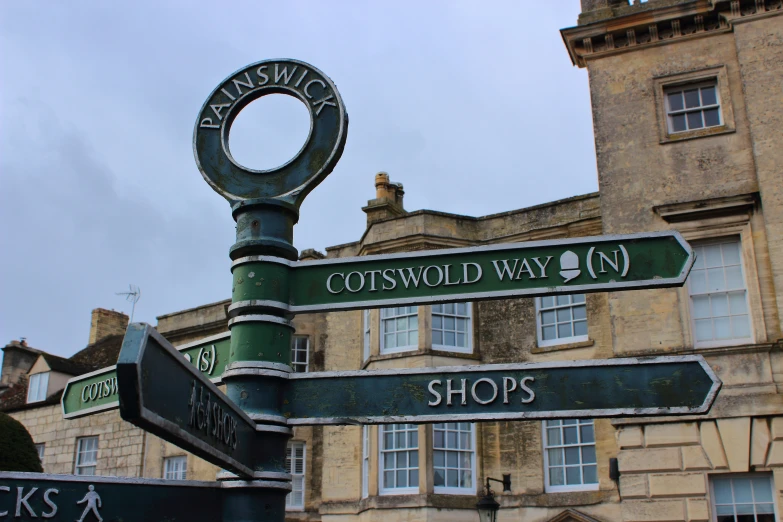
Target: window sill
x: 395, y: 351
x: 571, y: 489
x: 400, y: 491
x: 701, y: 133
x: 565, y: 346
x: 416, y: 353
x: 453, y: 491
x: 728, y: 343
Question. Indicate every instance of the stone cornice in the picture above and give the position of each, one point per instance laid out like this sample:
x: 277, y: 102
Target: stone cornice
x: 690, y: 210
x: 648, y: 25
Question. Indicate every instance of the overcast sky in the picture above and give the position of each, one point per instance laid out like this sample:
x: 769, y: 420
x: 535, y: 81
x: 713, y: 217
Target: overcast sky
x: 474, y: 106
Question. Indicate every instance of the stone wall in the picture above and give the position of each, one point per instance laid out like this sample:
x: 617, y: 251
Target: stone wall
x: 665, y: 468
x: 120, y: 444
x: 759, y: 48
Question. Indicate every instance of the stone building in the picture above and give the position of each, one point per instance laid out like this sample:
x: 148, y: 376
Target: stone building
x: 688, y: 112
x: 101, y: 444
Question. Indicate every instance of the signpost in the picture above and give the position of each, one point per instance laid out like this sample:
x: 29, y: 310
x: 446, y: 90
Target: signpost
x: 246, y: 430
x: 97, y: 391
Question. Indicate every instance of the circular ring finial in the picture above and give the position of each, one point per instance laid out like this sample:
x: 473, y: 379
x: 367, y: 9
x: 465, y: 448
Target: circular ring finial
x: 293, y: 180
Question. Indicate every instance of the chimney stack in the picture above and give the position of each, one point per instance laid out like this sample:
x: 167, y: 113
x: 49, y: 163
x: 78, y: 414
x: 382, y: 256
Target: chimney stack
x: 106, y: 323
x: 388, y: 200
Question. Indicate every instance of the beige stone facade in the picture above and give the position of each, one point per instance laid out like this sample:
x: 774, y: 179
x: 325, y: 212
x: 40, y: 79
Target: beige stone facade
x: 719, y: 184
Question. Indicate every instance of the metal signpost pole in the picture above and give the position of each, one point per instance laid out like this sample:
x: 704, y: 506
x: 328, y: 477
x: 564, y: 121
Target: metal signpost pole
x: 265, y: 205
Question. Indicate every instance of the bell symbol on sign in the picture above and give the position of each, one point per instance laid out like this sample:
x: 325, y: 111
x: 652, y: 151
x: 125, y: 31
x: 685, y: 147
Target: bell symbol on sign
x: 569, y: 266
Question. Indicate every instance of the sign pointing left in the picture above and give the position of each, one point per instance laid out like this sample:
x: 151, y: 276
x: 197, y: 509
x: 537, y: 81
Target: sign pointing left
x: 164, y: 394
x: 96, y: 391
x: 69, y: 498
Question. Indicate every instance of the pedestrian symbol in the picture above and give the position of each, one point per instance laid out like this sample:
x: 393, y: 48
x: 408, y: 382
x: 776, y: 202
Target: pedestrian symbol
x: 93, y: 500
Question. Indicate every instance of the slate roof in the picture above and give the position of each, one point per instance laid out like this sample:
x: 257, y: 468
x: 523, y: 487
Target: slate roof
x: 94, y: 357
x: 99, y: 354
x: 62, y: 365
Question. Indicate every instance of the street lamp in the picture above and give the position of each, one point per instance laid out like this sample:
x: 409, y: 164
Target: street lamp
x: 487, y: 506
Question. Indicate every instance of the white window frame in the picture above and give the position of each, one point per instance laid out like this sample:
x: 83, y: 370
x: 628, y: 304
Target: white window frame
x: 79, y: 466
x: 366, y: 332
x: 549, y: 488
x: 37, y: 387
x: 382, y: 450
x: 173, y: 467
x: 296, y: 477
x: 681, y: 88
x: 41, y: 449
x: 722, y: 342
x: 365, y: 461
x: 733, y: 476
x: 296, y: 366
x: 447, y: 427
x: 468, y: 348
x: 383, y: 320
x: 560, y: 340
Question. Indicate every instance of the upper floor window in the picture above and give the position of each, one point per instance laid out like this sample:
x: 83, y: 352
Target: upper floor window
x: 454, y: 457
x: 692, y: 107
x: 365, y: 461
x: 399, y: 329
x: 569, y: 455
x: 36, y: 389
x: 300, y: 353
x: 719, y: 301
x: 561, y: 319
x: 451, y: 327
x: 40, y: 448
x: 399, y: 459
x: 175, y: 468
x: 295, y: 463
x: 743, y: 498
x: 366, y: 324
x: 86, y: 456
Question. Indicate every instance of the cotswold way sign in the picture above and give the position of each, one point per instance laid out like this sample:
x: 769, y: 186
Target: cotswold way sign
x: 562, y: 266
x: 96, y: 391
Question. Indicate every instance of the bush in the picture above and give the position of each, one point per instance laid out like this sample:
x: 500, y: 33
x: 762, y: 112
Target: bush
x: 17, y: 450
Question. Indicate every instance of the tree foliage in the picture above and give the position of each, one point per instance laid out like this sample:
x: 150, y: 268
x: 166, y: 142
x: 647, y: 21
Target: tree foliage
x: 17, y: 450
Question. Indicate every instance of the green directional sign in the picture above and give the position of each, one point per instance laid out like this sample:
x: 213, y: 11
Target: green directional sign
x: 97, y: 391
x: 29, y: 496
x: 593, y: 388
x: 162, y: 393
x: 563, y: 266
x: 69, y: 498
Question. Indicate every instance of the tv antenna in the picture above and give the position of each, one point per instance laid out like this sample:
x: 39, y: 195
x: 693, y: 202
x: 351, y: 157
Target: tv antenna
x: 133, y: 295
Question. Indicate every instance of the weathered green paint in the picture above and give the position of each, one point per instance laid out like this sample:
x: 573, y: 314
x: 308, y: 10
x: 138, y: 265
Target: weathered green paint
x: 660, y: 259
x: 261, y: 341
x: 293, y: 180
x: 599, y: 388
x: 128, y: 500
x: 162, y: 393
x: 61, y: 498
x: 210, y: 356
